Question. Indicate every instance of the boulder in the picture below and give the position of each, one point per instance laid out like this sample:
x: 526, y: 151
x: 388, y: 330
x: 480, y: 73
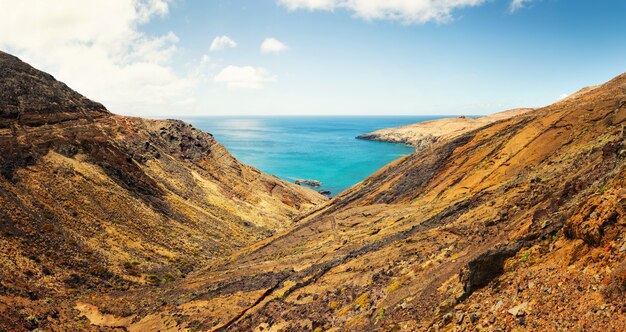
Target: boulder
x: 486, y: 267
x: 312, y: 183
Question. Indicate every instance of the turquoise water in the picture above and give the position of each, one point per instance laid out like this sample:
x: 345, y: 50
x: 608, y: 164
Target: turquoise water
x: 317, y: 148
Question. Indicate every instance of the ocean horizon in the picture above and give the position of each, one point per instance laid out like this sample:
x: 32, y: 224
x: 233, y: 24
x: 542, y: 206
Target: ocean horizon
x: 322, y: 148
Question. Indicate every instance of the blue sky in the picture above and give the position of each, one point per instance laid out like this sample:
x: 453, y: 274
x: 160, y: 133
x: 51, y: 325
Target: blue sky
x: 339, y: 56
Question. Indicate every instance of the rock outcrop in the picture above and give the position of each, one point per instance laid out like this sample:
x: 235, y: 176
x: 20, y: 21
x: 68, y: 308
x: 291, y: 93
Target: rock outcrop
x: 311, y: 183
x: 486, y: 267
x: 423, y: 135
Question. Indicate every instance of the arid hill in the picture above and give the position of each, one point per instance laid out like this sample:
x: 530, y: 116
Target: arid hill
x: 518, y: 225
x: 423, y: 135
x: 92, y: 201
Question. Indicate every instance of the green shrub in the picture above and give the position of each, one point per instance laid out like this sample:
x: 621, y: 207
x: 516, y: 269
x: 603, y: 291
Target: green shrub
x: 153, y: 278
x: 381, y: 313
x: 168, y: 278
x: 525, y: 256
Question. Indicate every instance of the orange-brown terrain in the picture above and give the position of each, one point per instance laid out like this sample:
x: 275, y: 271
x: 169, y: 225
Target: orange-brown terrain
x: 117, y: 223
x: 92, y: 202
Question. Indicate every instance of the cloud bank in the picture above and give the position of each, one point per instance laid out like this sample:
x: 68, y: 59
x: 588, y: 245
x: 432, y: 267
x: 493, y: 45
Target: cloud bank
x: 96, y: 47
x: 405, y: 11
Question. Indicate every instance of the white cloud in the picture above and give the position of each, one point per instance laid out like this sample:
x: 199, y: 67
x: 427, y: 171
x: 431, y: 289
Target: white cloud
x: 222, y: 42
x: 310, y: 4
x: 273, y: 45
x: 247, y: 77
x: 518, y: 4
x: 96, y: 48
x: 563, y: 96
x: 405, y: 11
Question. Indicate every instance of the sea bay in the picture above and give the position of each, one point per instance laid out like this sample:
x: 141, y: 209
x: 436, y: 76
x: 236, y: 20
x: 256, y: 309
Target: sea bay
x: 320, y: 148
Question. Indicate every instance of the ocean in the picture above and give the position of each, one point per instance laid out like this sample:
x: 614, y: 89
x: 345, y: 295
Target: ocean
x: 307, y: 147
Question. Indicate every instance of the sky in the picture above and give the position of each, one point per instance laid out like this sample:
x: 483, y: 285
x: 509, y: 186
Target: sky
x: 173, y: 58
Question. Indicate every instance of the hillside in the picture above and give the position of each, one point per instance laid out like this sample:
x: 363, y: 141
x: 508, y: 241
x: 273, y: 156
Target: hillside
x: 115, y: 223
x: 518, y: 225
x: 92, y: 201
x: 422, y: 135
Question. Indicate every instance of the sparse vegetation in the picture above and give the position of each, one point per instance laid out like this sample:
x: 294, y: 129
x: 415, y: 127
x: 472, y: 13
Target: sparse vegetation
x: 153, y: 278
x: 603, y: 189
x: 393, y: 286
x: 362, y: 301
x: 525, y: 256
x: 168, y: 278
x: 555, y: 236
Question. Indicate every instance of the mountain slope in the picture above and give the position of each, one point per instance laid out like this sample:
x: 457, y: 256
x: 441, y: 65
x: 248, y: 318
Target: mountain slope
x: 516, y: 225
x: 93, y: 201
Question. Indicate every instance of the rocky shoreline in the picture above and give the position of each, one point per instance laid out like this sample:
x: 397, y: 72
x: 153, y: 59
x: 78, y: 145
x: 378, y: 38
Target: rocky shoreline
x: 311, y: 183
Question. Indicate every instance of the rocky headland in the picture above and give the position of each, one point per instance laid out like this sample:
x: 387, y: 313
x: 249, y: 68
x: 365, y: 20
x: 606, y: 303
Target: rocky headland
x: 113, y: 223
x: 422, y: 135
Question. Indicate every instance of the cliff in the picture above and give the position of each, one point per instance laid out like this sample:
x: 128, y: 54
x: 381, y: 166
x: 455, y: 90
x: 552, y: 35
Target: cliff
x: 422, y: 135
x: 92, y: 201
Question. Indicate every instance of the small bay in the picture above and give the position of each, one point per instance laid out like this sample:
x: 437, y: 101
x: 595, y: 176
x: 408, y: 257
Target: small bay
x: 309, y: 147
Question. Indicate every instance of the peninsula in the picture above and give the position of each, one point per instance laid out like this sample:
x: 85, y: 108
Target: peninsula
x: 424, y: 134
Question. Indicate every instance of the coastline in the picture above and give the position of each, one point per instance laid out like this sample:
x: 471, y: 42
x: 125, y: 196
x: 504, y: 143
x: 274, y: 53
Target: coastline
x: 424, y: 134
x: 320, y: 148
